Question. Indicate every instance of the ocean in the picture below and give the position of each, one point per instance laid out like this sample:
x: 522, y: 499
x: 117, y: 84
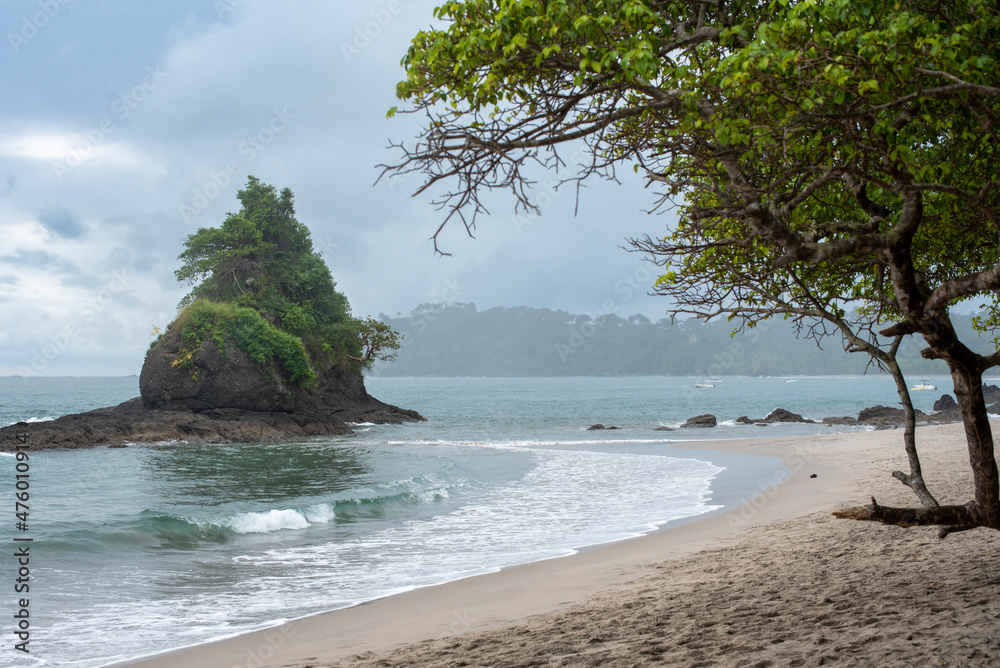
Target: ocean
x: 157, y: 546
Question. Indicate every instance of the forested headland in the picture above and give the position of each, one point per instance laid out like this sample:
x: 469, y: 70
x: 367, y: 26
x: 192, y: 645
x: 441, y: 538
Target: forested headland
x: 459, y: 340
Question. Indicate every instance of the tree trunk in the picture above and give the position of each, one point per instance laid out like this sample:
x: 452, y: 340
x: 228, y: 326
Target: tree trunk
x: 969, y: 395
x: 957, y: 516
x: 967, y: 374
x: 984, y: 509
x: 915, y: 478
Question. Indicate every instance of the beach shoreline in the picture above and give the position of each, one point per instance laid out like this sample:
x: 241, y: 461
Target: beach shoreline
x: 490, y: 601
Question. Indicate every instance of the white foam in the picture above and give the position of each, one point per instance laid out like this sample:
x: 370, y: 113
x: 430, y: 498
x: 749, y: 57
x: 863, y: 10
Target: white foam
x: 272, y: 520
x: 320, y: 513
x: 534, y: 443
x: 31, y: 420
x: 571, y: 499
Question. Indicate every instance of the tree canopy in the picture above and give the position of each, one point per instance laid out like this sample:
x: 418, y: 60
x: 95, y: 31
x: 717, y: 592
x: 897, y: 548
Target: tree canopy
x: 263, y: 258
x: 261, y: 262
x: 821, y: 155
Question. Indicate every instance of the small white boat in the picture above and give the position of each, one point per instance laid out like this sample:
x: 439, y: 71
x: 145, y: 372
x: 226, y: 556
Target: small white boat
x: 924, y: 385
x: 792, y: 380
x: 704, y: 385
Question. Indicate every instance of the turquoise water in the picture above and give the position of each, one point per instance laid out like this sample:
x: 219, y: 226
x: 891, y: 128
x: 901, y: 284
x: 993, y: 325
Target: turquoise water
x: 154, y: 546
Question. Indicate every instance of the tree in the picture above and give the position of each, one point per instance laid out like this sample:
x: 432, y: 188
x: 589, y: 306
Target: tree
x: 261, y: 262
x: 263, y: 258
x: 818, y: 153
x: 379, y: 341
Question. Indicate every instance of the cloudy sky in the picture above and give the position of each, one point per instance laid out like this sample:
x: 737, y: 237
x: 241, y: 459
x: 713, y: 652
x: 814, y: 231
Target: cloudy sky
x: 126, y: 126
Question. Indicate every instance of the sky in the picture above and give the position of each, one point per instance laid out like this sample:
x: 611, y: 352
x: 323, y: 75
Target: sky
x: 127, y: 126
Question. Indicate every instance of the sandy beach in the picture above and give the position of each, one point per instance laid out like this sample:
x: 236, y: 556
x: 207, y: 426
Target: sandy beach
x: 774, y: 582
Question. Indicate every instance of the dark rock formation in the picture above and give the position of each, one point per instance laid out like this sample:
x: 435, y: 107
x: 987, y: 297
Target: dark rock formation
x: 885, y: 417
x: 132, y: 422
x: 234, y: 381
x: 663, y: 428
x: 875, y: 412
x: 840, y: 420
x: 944, y: 403
x: 991, y: 394
x: 223, y: 399
x: 782, y: 415
x: 216, y: 381
x: 700, y: 421
x: 597, y: 427
x: 777, y: 415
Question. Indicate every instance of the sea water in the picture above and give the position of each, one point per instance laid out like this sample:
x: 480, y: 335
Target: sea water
x: 154, y: 546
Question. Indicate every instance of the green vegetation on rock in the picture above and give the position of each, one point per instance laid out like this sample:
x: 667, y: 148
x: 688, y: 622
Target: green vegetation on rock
x: 260, y: 285
x: 246, y: 328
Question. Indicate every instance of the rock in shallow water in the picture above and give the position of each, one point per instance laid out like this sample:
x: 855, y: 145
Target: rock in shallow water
x: 131, y: 422
x: 840, y: 420
x: 782, y: 415
x: 700, y: 421
x: 223, y: 399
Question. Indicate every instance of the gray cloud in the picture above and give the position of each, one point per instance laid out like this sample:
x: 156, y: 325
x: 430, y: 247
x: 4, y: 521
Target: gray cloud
x: 63, y: 222
x: 330, y: 74
x: 39, y: 259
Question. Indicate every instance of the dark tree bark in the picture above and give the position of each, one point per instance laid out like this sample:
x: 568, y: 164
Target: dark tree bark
x: 915, y: 478
x: 910, y: 517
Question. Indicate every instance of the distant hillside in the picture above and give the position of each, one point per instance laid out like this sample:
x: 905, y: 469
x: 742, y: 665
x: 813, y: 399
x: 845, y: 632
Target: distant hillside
x: 458, y: 340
